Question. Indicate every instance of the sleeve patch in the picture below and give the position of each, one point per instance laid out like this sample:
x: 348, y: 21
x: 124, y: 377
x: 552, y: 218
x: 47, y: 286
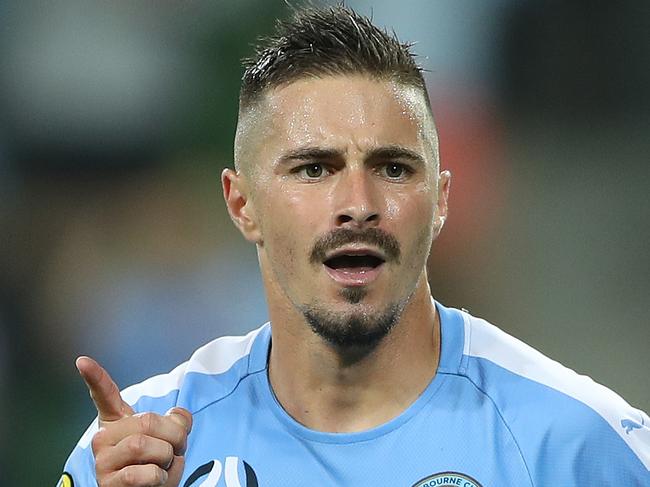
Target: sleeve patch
x: 65, y: 480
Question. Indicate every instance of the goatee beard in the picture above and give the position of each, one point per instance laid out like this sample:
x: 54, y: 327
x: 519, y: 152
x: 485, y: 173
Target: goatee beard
x: 351, y: 331
x: 356, y: 333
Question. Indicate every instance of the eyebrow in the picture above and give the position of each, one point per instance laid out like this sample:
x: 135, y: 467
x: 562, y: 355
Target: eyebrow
x: 395, y: 152
x: 383, y: 152
x: 309, y: 153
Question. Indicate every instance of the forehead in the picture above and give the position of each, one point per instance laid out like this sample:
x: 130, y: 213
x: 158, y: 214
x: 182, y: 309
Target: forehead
x: 346, y: 111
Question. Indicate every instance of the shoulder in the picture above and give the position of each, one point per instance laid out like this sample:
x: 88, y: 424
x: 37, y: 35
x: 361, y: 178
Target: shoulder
x: 221, y: 363
x: 549, y: 408
x: 219, y: 366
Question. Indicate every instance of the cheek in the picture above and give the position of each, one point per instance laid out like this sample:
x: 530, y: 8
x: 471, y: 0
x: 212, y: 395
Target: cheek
x: 409, y: 208
x: 411, y: 221
x: 289, y: 225
x: 304, y: 209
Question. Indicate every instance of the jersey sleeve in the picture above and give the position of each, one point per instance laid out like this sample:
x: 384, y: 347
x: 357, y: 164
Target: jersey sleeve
x: 79, y: 469
x: 585, y: 450
x: 570, y: 430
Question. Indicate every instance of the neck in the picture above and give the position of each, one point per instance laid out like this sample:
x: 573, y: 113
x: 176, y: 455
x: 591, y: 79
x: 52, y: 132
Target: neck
x: 329, y: 389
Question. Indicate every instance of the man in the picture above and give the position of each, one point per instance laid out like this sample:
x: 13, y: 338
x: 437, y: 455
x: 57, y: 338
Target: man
x: 360, y: 378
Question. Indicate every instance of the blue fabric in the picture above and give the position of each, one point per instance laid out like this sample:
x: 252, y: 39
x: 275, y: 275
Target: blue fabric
x: 476, y: 424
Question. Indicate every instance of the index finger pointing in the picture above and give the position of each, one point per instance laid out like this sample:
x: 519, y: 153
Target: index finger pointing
x: 103, y: 390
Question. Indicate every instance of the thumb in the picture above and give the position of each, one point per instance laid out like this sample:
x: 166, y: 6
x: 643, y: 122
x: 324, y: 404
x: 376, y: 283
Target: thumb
x: 103, y: 391
x: 183, y: 418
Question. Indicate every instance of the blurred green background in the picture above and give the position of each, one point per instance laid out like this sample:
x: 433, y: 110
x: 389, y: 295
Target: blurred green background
x: 116, y: 119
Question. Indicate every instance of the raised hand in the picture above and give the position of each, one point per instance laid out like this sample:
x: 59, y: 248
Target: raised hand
x: 144, y: 449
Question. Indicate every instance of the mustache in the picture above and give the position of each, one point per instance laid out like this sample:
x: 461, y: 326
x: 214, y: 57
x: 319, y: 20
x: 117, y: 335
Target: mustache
x: 343, y: 236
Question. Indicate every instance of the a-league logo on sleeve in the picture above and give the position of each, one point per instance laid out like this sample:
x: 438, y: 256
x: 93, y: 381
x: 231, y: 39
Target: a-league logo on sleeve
x: 65, y: 480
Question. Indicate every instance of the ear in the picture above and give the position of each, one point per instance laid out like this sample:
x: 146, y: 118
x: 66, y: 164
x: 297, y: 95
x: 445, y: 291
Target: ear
x: 240, y: 208
x: 440, y: 215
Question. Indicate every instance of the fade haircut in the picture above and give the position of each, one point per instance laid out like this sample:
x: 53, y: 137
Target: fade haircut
x: 327, y: 42
x: 321, y: 42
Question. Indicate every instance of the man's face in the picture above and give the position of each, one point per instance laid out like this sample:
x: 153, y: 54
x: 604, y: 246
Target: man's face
x: 344, y: 187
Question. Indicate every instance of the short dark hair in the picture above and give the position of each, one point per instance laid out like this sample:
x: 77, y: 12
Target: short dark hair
x: 329, y: 41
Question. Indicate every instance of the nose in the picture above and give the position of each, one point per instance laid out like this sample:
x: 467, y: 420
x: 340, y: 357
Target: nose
x: 355, y: 202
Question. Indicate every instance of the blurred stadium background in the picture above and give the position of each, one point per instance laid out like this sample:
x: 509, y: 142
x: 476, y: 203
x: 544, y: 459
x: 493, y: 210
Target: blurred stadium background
x: 116, y: 119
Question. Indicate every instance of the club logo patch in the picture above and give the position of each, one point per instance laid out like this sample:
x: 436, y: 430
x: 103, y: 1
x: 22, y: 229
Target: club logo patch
x: 209, y: 474
x: 65, y: 481
x: 447, y: 479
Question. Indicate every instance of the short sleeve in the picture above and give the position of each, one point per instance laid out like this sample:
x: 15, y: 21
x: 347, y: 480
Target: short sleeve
x: 79, y: 469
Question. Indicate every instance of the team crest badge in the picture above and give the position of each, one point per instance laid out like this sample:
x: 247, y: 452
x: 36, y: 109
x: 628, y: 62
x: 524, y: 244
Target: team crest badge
x: 447, y: 479
x: 65, y: 481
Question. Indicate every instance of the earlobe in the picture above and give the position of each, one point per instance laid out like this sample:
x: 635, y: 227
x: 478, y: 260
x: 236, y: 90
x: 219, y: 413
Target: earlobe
x: 235, y: 194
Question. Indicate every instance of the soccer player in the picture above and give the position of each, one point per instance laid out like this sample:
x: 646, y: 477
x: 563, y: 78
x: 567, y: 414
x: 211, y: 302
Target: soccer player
x: 360, y: 378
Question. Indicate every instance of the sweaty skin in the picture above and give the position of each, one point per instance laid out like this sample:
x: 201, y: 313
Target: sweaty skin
x: 314, y: 157
x: 285, y: 203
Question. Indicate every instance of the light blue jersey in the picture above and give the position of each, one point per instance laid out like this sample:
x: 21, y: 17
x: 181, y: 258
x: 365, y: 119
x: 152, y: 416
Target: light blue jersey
x: 498, y: 413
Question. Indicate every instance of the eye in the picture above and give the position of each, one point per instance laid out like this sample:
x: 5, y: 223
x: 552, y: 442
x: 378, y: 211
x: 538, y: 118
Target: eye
x: 312, y: 171
x: 395, y: 170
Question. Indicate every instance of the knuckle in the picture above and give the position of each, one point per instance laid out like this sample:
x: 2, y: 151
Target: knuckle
x: 98, y: 440
x: 148, y: 422
x: 129, y: 476
x: 141, y: 475
x: 136, y: 444
x: 158, y: 475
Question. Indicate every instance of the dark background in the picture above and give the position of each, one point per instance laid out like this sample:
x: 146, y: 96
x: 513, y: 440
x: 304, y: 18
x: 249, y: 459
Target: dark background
x: 116, y: 119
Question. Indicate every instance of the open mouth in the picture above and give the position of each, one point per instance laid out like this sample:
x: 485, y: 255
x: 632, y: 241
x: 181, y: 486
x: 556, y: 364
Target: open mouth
x: 354, y: 262
x: 354, y: 268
